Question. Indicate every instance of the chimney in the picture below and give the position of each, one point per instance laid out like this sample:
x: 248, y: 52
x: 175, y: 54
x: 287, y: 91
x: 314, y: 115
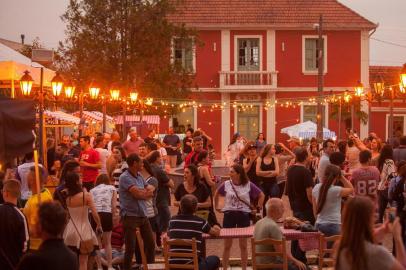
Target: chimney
x: 22, y: 39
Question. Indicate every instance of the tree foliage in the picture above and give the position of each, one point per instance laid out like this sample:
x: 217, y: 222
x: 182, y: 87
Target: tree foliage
x: 125, y: 43
x: 27, y: 49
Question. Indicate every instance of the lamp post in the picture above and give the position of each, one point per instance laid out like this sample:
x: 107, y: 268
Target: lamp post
x: 94, y: 91
x: 57, y: 85
x: 359, y: 93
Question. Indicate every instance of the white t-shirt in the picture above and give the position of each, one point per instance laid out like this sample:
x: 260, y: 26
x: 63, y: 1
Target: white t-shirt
x: 22, y: 172
x: 163, y: 152
x: 331, y: 212
x: 102, y: 197
x: 103, y: 154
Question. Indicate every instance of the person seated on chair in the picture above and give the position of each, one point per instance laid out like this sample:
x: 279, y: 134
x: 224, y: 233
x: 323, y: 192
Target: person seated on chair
x: 187, y: 225
x: 267, y: 228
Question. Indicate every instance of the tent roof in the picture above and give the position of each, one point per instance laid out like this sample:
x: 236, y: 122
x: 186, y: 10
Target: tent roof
x: 13, y: 64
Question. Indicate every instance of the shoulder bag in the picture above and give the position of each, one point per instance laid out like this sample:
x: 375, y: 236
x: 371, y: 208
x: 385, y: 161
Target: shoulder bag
x: 255, y: 211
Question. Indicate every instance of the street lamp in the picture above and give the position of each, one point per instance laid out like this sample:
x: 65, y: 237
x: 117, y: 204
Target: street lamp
x: 69, y: 90
x: 403, y: 76
x: 115, y: 94
x: 26, y: 83
x: 133, y: 97
x: 359, y: 89
x: 94, y: 90
x: 149, y: 101
x: 57, y: 84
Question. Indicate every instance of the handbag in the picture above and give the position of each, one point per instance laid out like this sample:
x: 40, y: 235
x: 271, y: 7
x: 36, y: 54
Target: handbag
x: 255, y: 214
x: 85, y: 246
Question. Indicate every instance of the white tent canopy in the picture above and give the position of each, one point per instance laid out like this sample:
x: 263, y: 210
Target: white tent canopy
x: 13, y: 64
x: 62, y: 116
x: 307, y: 130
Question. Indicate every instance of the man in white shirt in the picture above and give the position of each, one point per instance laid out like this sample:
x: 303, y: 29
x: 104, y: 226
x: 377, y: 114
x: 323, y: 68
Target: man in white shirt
x: 328, y: 149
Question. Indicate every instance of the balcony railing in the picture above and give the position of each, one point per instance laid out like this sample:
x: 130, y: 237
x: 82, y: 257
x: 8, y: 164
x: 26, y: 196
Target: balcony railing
x: 252, y: 79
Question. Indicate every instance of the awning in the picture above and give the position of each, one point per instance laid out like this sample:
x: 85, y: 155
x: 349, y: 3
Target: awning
x: 94, y: 116
x: 13, y: 64
x: 62, y: 116
x: 149, y: 119
x: 307, y: 130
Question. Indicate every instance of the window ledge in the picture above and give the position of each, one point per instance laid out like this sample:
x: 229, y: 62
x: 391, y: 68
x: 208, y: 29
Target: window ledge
x: 313, y: 72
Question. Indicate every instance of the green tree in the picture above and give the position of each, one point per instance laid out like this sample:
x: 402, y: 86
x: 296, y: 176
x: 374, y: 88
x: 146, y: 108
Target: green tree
x: 123, y: 43
x: 346, y: 112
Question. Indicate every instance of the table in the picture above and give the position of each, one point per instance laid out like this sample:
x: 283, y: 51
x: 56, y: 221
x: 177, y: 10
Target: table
x: 307, y: 240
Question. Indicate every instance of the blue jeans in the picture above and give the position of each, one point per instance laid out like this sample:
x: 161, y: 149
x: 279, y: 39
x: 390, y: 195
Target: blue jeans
x: 329, y: 229
x: 209, y: 263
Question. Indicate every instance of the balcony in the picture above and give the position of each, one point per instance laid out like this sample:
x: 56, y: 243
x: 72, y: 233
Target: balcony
x: 248, y: 80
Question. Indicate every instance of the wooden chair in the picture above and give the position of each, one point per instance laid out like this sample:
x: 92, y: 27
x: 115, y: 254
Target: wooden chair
x: 268, y: 242
x: 324, y: 250
x: 168, y: 243
x: 145, y: 265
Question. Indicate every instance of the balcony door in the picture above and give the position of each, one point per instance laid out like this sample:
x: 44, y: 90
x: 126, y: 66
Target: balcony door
x: 248, y: 60
x: 248, y: 122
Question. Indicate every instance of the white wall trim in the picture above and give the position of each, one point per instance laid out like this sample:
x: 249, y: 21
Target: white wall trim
x: 364, y: 78
x: 307, y: 72
x: 236, y: 37
x: 194, y: 118
x: 235, y: 119
x: 225, y: 50
x: 326, y: 112
x: 387, y: 123
x: 270, y: 120
x: 270, y: 50
x: 386, y: 109
x: 225, y: 124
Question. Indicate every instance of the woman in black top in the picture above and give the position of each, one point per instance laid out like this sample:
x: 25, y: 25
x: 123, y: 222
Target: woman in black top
x: 250, y: 163
x: 268, y: 169
x: 192, y: 185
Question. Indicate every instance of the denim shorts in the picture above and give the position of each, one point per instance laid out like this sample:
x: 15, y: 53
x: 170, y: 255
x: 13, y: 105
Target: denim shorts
x: 236, y: 219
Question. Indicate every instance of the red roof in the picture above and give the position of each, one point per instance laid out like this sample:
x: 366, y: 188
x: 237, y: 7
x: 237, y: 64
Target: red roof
x: 267, y: 13
x: 390, y: 75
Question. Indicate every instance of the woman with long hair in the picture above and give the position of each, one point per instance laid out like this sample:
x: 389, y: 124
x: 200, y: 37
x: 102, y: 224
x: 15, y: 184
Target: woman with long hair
x: 69, y: 167
x: 268, y: 169
x: 234, y: 149
x: 387, y: 168
x: 203, y: 161
x: 357, y: 249
x: 105, y: 200
x: 192, y: 185
x: 327, y: 200
x: 78, y: 229
x: 239, y: 193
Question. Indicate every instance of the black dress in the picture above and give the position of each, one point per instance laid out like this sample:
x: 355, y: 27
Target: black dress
x: 252, y: 173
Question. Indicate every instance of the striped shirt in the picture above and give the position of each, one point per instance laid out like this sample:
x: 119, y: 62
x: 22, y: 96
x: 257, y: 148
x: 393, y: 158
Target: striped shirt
x: 14, y: 236
x: 122, y: 167
x: 187, y: 227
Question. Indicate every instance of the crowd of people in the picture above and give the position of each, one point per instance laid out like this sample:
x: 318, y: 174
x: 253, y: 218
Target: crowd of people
x: 108, y: 187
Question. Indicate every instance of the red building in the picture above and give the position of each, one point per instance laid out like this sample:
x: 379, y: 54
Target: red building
x: 258, y: 60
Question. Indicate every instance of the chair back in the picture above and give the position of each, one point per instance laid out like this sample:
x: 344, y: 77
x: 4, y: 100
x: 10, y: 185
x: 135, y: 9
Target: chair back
x: 268, y: 242
x: 326, y: 253
x: 175, y: 245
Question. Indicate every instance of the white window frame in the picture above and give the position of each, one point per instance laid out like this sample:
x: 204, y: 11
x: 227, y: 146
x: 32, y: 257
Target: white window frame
x: 236, y: 37
x: 326, y: 115
x: 313, y: 72
x: 193, y: 53
x: 387, y: 123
